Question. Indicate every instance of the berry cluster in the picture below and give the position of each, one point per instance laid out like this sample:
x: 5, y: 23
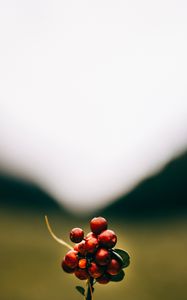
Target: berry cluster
x: 93, y: 256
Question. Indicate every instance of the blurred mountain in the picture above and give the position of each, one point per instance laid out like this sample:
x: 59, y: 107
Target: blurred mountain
x: 162, y: 194
x: 16, y: 193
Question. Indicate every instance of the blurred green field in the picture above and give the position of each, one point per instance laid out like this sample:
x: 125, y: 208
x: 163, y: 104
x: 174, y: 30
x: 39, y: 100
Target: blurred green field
x: 30, y: 259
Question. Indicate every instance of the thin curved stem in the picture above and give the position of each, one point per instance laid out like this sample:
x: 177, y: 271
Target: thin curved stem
x: 91, y: 289
x: 60, y: 241
x: 89, y: 295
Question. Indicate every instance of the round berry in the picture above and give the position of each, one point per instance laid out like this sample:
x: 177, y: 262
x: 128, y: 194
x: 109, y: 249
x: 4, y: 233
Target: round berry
x: 91, y: 235
x: 95, y: 271
x: 81, y: 247
x: 107, y: 238
x: 82, y: 263
x: 81, y: 274
x: 91, y: 244
x: 98, y: 224
x: 76, y: 247
x: 66, y: 268
x: 104, y: 279
x: 113, y: 267
x: 76, y: 235
x: 102, y: 257
x: 71, y: 259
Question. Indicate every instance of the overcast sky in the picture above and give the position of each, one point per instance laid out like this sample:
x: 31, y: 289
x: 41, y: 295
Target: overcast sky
x: 93, y: 94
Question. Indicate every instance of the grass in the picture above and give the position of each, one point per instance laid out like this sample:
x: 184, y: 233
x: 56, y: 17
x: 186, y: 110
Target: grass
x: 30, y: 259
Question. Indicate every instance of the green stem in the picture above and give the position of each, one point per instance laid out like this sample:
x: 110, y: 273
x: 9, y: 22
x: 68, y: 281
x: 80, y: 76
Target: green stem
x: 60, y: 241
x: 89, y: 295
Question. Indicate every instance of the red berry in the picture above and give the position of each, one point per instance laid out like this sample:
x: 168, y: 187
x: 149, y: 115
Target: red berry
x: 113, y: 267
x: 82, y: 263
x: 107, y: 238
x: 90, y: 235
x: 94, y: 270
x: 76, y: 247
x: 71, y: 259
x: 81, y: 274
x: 91, y: 244
x: 104, y: 279
x: 66, y: 268
x: 81, y: 247
x: 102, y: 257
x: 98, y: 224
x: 76, y: 235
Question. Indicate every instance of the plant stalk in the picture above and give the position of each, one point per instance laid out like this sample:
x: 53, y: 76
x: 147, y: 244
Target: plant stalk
x: 89, y: 295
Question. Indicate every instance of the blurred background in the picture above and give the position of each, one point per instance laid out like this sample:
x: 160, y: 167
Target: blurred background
x: 93, y: 121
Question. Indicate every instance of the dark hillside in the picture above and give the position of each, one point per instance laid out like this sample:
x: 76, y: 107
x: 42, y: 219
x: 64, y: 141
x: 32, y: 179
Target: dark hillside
x: 16, y: 193
x: 163, y: 194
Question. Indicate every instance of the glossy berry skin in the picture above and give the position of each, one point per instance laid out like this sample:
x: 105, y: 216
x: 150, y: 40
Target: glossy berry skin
x: 81, y: 274
x: 113, y: 267
x: 76, y: 235
x: 82, y: 263
x: 91, y: 244
x: 107, y: 238
x: 71, y: 259
x: 90, y: 235
x: 95, y: 271
x: 104, y: 279
x: 98, y: 224
x: 82, y: 247
x: 66, y: 268
x: 102, y: 257
x: 76, y: 247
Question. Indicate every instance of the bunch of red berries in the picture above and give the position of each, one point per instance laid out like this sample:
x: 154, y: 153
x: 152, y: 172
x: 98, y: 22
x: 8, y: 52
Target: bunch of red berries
x: 93, y: 256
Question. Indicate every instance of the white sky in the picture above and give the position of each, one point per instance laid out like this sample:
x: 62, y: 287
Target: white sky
x: 93, y: 94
